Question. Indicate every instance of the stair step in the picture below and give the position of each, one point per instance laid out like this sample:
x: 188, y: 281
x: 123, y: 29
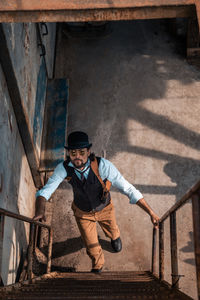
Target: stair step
x: 88, y: 286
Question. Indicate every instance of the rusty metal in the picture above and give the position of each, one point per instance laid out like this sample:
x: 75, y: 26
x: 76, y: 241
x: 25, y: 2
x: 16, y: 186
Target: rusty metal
x: 193, y: 193
x: 100, y: 10
x: 198, y: 12
x: 49, y: 251
x: 161, y: 251
x: 173, y: 245
x: 193, y: 52
x: 103, y: 14
x: 109, y: 285
x: 32, y: 238
x: 196, y: 230
x: 22, y: 218
x: 153, y: 261
x: 36, y: 236
x: 182, y: 201
x: 193, y: 38
x: 30, y: 252
x: 28, y: 5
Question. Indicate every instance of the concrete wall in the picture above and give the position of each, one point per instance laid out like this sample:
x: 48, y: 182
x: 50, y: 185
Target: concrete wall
x: 17, y: 190
x: 31, y: 69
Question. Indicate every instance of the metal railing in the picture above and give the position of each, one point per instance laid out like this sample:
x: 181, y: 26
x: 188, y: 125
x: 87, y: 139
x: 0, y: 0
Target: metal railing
x: 33, y: 225
x: 194, y: 194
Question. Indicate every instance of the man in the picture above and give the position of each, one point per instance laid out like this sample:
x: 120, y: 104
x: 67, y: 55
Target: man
x: 91, y: 178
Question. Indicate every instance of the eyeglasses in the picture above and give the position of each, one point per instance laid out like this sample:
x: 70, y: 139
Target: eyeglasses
x: 82, y: 152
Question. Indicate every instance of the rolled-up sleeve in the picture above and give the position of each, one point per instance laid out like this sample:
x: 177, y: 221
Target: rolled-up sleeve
x: 53, y: 182
x: 109, y: 171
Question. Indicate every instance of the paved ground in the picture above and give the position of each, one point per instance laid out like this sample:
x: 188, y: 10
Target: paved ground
x: 134, y: 93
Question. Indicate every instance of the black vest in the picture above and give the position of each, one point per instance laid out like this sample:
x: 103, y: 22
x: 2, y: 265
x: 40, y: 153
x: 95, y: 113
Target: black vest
x: 87, y: 194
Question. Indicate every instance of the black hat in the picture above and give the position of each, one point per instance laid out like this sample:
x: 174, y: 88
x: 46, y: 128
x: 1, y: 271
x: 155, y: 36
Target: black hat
x: 77, y: 140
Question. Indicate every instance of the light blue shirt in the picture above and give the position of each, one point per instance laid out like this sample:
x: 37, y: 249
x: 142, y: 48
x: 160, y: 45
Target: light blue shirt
x: 106, y: 170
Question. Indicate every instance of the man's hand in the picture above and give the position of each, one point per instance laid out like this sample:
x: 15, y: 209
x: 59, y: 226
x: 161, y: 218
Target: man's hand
x: 155, y: 220
x: 40, y: 209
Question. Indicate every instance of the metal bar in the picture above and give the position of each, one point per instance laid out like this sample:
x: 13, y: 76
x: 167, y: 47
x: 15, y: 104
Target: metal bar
x: 49, y: 251
x: 182, y: 201
x: 198, y: 13
x: 105, y: 14
x: 153, y: 261
x: 196, y: 227
x: 30, y: 252
x: 36, y: 235
x: 22, y: 218
x: 173, y: 245
x: 193, y: 37
x: 161, y: 251
x: 27, y: 5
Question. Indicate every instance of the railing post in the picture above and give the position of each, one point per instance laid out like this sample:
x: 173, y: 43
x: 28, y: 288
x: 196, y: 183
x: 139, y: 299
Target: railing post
x: 196, y: 228
x: 49, y: 250
x: 161, y: 251
x: 173, y: 246
x: 153, y: 262
x: 30, y: 252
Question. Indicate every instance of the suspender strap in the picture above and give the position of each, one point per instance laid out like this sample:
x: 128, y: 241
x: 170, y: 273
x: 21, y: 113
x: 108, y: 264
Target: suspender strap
x: 106, y: 186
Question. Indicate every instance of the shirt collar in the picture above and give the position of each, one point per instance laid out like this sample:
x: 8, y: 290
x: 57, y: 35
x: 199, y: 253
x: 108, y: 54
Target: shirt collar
x: 86, y: 165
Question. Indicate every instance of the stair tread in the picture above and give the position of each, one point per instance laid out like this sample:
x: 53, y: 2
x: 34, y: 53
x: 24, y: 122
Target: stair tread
x: 83, y: 285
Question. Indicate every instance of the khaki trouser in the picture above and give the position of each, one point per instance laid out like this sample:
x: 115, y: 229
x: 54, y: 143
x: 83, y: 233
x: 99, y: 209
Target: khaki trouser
x: 86, y: 222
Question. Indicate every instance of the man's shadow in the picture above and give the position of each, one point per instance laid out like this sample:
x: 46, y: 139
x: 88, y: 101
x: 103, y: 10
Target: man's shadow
x: 184, y: 172
x: 188, y: 249
x: 73, y: 245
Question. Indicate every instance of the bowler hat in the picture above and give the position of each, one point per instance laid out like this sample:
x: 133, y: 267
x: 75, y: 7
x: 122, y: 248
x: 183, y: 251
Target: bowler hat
x: 77, y: 140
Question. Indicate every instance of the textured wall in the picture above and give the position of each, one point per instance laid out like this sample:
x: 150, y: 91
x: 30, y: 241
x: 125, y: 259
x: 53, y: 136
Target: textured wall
x: 17, y: 190
x: 31, y: 69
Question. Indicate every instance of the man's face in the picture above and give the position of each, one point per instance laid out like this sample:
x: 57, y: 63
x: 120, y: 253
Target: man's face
x: 79, y: 157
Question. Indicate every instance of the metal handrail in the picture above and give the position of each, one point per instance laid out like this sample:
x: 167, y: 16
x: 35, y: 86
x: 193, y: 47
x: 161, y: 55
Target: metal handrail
x: 22, y: 218
x: 193, y: 193
x: 182, y: 201
x: 32, y: 223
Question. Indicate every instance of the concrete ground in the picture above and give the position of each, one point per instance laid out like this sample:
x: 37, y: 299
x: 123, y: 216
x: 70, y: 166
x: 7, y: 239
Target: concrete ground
x: 134, y: 93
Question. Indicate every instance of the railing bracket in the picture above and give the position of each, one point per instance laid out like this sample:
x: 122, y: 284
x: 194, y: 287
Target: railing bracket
x: 175, y: 283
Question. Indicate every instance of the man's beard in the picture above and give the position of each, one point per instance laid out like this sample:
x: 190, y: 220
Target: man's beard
x: 79, y: 166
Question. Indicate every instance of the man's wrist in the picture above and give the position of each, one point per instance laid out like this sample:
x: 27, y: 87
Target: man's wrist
x: 151, y: 213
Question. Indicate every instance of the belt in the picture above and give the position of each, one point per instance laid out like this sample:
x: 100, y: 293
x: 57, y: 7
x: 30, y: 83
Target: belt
x: 100, y: 207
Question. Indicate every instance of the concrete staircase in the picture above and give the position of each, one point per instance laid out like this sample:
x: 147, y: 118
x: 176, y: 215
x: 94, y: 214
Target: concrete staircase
x: 107, y: 285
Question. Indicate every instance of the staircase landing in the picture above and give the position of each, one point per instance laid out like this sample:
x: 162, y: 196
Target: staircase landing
x: 107, y: 285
